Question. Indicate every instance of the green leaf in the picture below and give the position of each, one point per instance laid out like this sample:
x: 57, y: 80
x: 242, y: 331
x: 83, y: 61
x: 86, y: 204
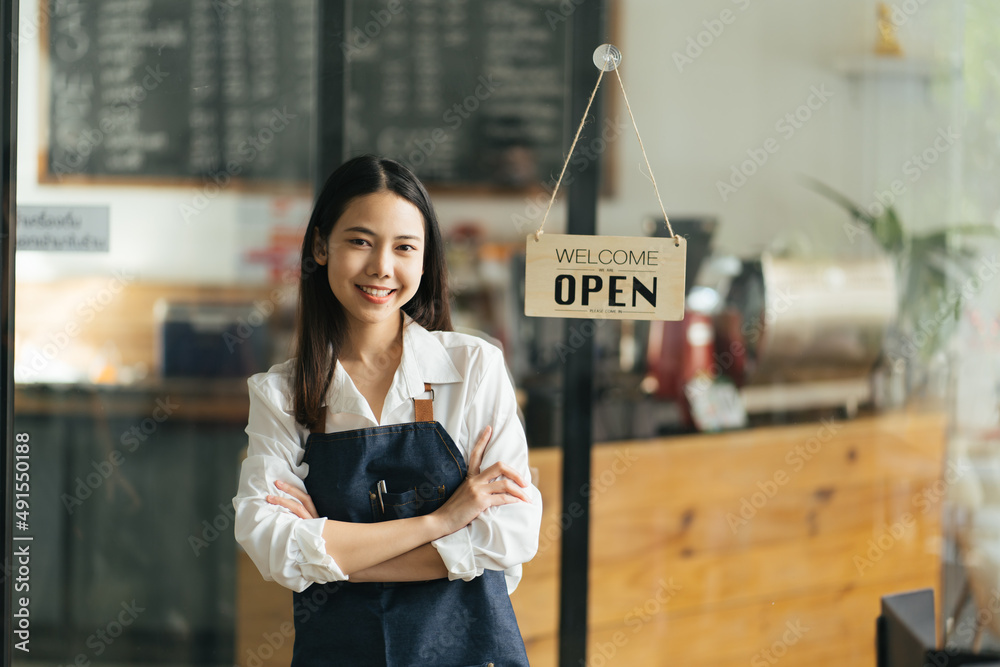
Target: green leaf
x: 888, y: 231
x: 843, y: 201
x: 973, y: 229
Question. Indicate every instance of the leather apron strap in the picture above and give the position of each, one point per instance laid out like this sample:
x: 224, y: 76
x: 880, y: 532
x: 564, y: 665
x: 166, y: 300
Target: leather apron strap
x: 423, y: 408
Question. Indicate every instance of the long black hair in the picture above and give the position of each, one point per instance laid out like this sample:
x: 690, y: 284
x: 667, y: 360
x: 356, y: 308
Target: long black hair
x: 321, y: 323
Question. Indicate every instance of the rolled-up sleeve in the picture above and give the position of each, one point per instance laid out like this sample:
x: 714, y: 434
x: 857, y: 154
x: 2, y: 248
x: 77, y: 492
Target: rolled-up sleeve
x: 503, y: 537
x: 285, y: 548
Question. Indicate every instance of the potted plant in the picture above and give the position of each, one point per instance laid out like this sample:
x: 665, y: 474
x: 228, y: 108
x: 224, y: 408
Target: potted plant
x: 935, y: 273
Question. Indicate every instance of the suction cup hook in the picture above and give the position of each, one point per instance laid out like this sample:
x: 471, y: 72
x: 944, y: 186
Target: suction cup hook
x: 607, y: 57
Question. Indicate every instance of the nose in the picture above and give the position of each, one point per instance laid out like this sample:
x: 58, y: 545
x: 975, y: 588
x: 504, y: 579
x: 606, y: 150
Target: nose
x: 380, y: 262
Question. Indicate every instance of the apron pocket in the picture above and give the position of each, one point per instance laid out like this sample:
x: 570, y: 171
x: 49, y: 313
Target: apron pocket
x: 416, y: 501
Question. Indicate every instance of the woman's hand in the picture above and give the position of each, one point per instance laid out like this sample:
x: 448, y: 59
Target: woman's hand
x: 301, y: 507
x: 497, y: 485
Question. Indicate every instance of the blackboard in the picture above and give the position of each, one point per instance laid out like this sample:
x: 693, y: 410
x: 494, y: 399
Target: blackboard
x: 466, y: 93
x: 203, y: 89
x: 463, y: 92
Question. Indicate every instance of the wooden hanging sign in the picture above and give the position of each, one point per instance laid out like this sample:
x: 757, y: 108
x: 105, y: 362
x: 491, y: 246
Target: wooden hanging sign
x: 605, y: 277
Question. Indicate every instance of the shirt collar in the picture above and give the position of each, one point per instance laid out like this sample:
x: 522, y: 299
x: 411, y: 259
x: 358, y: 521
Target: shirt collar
x: 343, y: 396
x: 424, y: 359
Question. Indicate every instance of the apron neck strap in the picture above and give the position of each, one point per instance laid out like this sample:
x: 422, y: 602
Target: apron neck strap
x: 423, y: 408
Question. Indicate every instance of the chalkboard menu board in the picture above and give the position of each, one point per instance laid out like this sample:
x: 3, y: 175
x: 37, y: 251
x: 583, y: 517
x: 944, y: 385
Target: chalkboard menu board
x: 217, y: 89
x: 466, y: 93
x: 463, y: 92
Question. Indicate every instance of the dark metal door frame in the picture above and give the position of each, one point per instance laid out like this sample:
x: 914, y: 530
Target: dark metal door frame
x: 588, y: 31
x: 331, y: 89
x: 8, y: 165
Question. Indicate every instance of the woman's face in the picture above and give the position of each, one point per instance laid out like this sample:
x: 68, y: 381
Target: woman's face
x: 374, y: 256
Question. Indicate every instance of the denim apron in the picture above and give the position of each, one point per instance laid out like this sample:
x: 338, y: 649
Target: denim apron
x: 380, y: 474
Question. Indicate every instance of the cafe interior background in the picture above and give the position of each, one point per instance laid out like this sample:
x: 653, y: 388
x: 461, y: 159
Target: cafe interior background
x: 820, y: 430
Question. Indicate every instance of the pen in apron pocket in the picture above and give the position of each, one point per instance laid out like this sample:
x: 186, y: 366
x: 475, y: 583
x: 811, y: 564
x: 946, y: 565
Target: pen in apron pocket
x: 381, y: 490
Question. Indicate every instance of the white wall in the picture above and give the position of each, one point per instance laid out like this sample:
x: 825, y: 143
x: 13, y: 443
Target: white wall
x: 696, y: 124
x: 729, y: 100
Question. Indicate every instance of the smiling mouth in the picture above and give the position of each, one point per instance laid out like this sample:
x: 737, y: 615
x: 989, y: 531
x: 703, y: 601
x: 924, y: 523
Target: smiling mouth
x: 375, y: 292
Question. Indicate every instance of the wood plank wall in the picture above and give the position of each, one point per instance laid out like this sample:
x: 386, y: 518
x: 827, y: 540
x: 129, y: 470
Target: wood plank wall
x: 837, y: 515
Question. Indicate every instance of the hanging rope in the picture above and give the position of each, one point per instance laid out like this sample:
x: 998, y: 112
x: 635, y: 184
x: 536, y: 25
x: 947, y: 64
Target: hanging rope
x: 608, y: 60
x: 646, y: 158
x: 583, y: 120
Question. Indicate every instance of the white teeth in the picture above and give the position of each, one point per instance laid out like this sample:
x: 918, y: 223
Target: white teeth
x: 375, y: 292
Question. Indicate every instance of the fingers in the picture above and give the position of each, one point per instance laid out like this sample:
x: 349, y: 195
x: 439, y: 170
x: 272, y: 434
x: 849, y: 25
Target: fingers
x: 505, y: 487
x: 478, y: 449
x: 501, y: 479
x: 295, y: 506
x: 502, y: 469
x: 302, y: 500
x: 298, y: 494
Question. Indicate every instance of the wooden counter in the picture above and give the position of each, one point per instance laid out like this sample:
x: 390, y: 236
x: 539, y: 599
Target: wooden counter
x: 74, y: 319
x: 722, y: 549
x: 220, y: 401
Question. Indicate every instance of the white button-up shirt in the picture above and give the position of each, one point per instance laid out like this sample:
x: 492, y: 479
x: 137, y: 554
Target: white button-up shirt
x: 471, y: 391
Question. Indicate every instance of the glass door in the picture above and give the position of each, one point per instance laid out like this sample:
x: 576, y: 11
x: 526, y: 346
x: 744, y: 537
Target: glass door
x: 164, y: 180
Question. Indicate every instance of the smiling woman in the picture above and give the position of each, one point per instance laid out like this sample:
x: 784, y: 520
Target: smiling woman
x: 403, y: 518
